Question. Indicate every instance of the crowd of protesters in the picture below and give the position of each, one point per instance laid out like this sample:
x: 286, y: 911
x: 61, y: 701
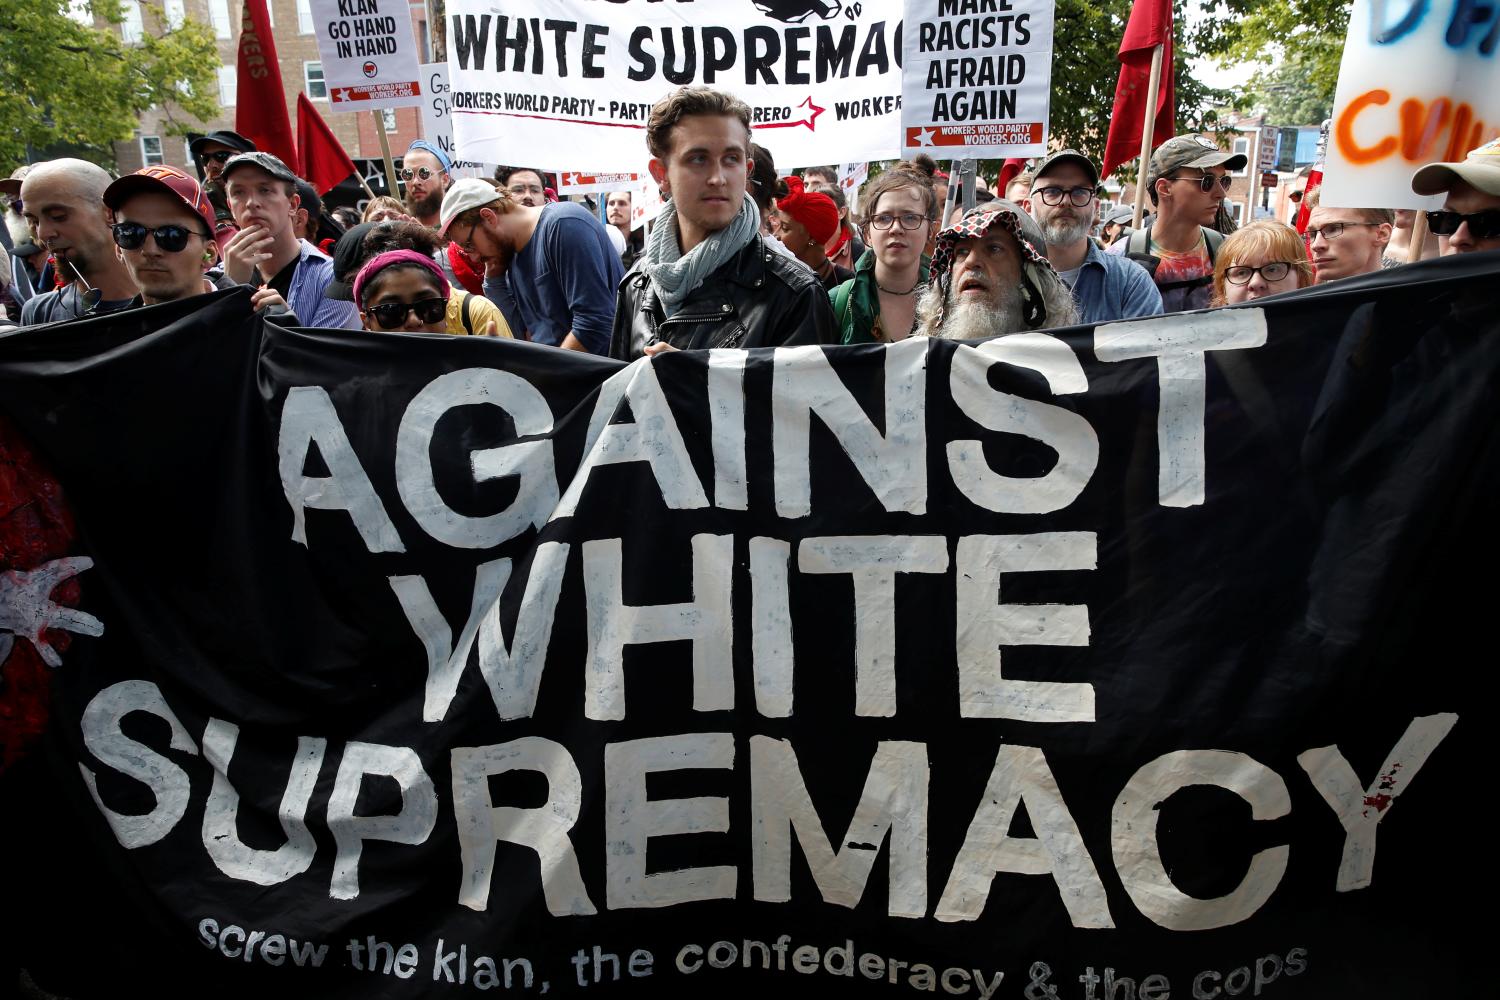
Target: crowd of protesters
x: 738, y: 257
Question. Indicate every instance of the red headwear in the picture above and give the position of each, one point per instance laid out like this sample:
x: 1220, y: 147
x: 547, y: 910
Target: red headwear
x: 814, y: 209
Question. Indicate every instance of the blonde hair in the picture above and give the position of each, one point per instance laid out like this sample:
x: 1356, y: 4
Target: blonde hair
x: 384, y: 203
x: 1268, y: 240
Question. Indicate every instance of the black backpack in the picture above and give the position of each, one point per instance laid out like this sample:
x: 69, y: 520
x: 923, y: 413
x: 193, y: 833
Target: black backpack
x: 1138, y: 249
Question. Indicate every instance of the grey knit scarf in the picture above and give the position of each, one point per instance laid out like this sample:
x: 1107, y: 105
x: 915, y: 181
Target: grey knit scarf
x: 676, y: 274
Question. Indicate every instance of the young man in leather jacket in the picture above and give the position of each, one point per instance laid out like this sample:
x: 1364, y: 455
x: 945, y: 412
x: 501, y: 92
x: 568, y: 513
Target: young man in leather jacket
x: 706, y: 279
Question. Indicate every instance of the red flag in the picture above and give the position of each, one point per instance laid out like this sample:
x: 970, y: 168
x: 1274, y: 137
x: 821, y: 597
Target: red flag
x: 260, y: 114
x: 324, y: 162
x: 1008, y: 172
x: 1150, y: 25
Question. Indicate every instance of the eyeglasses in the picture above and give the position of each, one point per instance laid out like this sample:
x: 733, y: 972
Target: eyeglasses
x: 169, y: 239
x: 1207, y: 181
x: 1332, y: 230
x: 524, y: 189
x: 1482, y: 225
x: 218, y: 156
x: 391, y: 315
x: 908, y: 220
x: 1079, y: 196
x: 1241, y: 274
x: 424, y: 173
x: 467, y: 243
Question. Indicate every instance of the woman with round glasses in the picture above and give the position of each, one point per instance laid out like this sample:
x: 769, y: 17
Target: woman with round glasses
x: 402, y: 291
x: 879, y: 304
x: 1259, y: 259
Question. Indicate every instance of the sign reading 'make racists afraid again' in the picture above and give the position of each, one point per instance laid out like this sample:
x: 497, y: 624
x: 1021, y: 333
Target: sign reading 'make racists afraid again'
x: 1128, y: 661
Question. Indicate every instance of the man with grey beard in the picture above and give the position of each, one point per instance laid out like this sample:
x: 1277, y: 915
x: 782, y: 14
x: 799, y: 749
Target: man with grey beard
x: 990, y: 277
x: 1063, y: 200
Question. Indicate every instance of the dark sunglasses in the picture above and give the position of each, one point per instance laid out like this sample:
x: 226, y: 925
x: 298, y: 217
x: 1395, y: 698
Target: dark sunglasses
x: 170, y: 239
x: 391, y: 315
x: 1207, y: 181
x: 1482, y: 225
x: 218, y: 156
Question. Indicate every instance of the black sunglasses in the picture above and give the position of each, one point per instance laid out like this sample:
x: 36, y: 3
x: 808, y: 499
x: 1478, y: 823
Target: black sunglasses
x: 218, y: 156
x: 391, y: 315
x: 1207, y: 181
x: 1482, y: 225
x: 170, y: 239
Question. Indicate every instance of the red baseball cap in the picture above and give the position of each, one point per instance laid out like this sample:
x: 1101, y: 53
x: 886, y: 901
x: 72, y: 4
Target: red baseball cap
x: 162, y: 179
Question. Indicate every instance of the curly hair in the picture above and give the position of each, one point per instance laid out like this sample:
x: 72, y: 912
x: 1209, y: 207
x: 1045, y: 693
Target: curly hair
x: 685, y: 102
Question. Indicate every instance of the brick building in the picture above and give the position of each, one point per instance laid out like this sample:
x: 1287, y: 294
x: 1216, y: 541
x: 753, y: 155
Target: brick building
x: 301, y: 70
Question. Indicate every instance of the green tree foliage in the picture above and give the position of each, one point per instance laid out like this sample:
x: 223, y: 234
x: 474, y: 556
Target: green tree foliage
x: 64, y: 83
x: 1299, y: 41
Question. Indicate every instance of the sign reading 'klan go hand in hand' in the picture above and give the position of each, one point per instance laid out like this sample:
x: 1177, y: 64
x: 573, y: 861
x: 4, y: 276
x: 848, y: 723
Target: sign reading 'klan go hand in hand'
x: 369, y: 54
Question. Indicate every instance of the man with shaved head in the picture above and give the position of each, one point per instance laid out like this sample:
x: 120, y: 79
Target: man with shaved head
x: 63, y: 202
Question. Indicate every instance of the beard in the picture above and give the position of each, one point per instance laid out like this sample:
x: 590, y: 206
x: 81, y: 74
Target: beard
x: 971, y: 319
x: 427, y: 205
x: 1063, y: 230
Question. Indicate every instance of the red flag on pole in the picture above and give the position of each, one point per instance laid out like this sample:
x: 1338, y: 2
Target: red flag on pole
x: 1150, y: 25
x: 324, y: 162
x: 260, y: 112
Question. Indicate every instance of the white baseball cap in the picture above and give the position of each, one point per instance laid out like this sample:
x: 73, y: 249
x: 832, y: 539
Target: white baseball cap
x: 471, y: 192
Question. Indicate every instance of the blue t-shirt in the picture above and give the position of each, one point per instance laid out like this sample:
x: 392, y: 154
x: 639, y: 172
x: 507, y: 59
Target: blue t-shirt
x: 565, y: 278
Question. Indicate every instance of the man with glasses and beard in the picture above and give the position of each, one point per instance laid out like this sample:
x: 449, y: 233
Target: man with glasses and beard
x: 990, y: 277
x: 1186, y: 180
x: 212, y: 151
x: 1063, y: 199
x: 62, y: 201
x: 1470, y: 217
x: 426, y: 170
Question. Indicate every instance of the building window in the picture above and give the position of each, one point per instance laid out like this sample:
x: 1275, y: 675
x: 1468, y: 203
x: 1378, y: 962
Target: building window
x: 271, y: 13
x: 388, y: 118
x: 80, y: 11
x: 1236, y: 210
x: 218, y: 16
x: 304, y: 17
x: 1242, y: 148
x: 312, y: 79
x: 131, y: 29
x: 176, y: 13
x: 229, y: 86
x: 151, y: 154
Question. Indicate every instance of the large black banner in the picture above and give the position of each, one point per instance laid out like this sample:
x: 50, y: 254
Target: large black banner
x: 1141, y: 661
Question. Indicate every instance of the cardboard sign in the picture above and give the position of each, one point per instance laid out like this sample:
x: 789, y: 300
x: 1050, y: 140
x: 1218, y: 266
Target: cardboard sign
x: 978, y: 78
x: 369, y: 54
x: 575, y: 86
x: 1419, y: 84
x: 437, y: 120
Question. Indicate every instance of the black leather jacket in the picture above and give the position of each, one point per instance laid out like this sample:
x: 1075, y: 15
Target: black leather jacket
x: 759, y: 298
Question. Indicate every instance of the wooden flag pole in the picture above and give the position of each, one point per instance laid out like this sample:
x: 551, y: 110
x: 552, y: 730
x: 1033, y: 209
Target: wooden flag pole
x: 1152, y: 90
x: 385, y: 150
x: 1418, y: 237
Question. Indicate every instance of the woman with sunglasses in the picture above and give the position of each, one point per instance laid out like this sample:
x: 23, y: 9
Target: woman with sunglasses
x: 879, y: 304
x: 402, y: 291
x: 1262, y: 258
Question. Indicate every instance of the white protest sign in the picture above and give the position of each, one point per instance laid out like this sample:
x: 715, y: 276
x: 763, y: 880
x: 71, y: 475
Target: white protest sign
x: 573, y: 182
x: 978, y: 77
x: 575, y: 87
x: 369, y: 54
x: 437, y: 121
x: 851, y: 177
x: 1420, y: 83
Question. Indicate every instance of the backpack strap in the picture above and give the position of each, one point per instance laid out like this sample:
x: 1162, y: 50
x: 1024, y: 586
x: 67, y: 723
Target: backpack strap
x: 841, y: 302
x: 464, y: 311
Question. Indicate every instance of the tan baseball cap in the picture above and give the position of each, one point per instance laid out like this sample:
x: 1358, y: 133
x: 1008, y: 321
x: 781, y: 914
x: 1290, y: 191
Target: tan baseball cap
x: 1481, y: 169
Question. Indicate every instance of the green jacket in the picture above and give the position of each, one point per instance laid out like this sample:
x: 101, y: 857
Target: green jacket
x: 856, y: 303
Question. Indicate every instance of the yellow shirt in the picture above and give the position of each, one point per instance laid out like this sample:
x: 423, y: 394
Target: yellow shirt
x: 482, y: 312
